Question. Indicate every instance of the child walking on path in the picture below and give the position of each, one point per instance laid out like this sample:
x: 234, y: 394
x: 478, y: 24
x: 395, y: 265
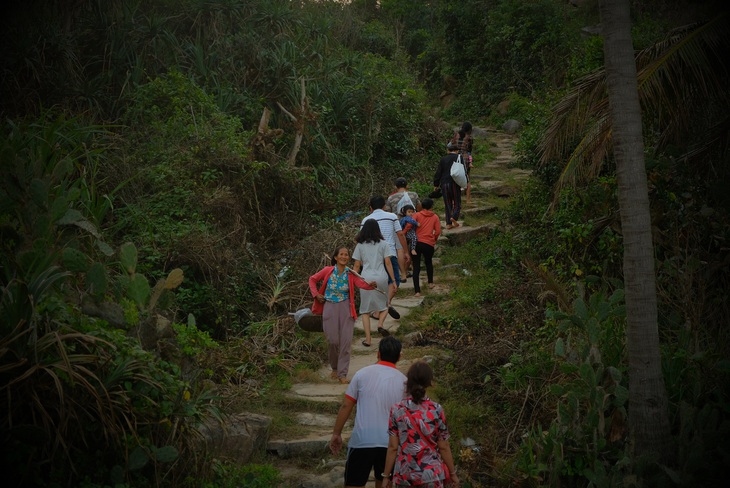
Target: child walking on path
x: 427, y: 232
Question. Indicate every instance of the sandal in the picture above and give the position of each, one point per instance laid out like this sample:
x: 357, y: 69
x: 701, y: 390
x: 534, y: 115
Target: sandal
x: 333, y: 374
x: 393, y: 312
x: 383, y: 332
x: 344, y: 381
x: 365, y: 344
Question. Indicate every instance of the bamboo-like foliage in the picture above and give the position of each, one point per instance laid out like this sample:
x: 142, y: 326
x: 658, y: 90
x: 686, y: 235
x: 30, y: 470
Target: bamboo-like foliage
x: 675, y: 77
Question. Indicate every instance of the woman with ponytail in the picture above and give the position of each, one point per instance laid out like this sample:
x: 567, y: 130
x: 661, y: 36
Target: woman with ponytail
x: 418, y: 450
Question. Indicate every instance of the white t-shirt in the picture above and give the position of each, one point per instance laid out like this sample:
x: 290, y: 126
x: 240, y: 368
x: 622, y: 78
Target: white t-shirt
x: 389, y: 227
x: 374, y: 389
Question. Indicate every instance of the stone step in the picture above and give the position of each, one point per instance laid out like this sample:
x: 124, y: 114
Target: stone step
x: 326, y: 471
x: 480, y: 211
x: 463, y: 234
x: 314, y: 446
x: 475, y: 177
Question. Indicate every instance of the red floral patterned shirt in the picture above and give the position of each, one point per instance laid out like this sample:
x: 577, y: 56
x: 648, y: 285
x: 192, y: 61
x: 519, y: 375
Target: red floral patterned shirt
x: 418, y: 462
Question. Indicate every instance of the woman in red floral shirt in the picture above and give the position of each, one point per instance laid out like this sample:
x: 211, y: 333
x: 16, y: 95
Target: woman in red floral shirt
x: 418, y: 451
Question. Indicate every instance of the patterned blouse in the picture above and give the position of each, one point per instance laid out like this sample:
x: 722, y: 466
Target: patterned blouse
x: 418, y: 462
x: 338, y: 287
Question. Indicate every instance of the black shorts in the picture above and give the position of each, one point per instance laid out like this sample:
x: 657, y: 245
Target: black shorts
x: 361, y: 461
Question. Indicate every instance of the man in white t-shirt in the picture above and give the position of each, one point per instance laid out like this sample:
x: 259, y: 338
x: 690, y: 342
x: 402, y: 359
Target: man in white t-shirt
x: 374, y: 389
x: 393, y: 234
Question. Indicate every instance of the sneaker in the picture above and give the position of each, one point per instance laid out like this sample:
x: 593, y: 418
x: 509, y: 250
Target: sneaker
x: 393, y: 312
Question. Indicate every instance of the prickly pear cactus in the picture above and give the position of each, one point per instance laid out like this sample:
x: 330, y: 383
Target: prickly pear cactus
x: 128, y: 257
x: 173, y: 280
x: 97, y: 282
x: 135, y: 286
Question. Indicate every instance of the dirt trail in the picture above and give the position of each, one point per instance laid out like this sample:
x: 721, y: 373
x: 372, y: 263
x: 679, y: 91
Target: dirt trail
x: 302, y: 455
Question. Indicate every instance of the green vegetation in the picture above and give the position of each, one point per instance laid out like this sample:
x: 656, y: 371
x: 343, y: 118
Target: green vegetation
x: 173, y: 171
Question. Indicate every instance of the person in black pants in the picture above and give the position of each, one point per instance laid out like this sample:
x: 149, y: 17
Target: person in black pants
x: 450, y: 190
x: 427, y: 233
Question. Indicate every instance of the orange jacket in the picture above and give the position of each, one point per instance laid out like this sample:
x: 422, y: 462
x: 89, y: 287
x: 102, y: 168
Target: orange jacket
x: 430, y: 229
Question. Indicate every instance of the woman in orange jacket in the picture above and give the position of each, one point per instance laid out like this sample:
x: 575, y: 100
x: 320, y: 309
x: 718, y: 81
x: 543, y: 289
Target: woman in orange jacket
x: 335, y: 301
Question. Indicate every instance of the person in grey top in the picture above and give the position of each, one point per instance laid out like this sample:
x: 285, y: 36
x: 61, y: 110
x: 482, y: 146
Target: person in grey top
x: 393, y: 234
x: 372, y: 254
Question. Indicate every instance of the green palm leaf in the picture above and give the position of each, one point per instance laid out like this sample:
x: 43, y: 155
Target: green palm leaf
x: 675, y: 76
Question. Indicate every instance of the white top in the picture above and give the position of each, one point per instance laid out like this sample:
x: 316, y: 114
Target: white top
x: 372, y: 255
x: 374, y: 389
x: 389, y: 227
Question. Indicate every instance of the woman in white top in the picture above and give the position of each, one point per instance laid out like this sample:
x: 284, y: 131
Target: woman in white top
x: 372, y: 254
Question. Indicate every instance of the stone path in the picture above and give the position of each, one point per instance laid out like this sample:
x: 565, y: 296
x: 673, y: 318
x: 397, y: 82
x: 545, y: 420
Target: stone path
x: 319, y: 426
x: 304, y: 460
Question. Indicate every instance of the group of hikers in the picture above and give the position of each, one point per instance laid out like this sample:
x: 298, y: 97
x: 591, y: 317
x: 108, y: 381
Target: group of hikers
x: 399, y: 433
x: 400, y: 422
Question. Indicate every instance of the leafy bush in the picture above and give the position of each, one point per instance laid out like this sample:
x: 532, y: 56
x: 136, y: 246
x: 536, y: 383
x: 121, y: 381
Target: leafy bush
x: 80, y: 398
x: 586, y: 440
x: 192, y: 341
x: 233, y: 476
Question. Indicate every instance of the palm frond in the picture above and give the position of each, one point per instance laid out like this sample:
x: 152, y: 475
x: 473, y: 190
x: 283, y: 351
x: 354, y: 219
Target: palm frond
x: 572, y: 116
x: 680, y: 72
x: 675, y: 77
x: 586, y: 161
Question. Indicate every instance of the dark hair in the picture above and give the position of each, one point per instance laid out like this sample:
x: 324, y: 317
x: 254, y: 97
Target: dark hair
x: 389, y: 349
x: 370, y: 232
x: 333, y: 261
x: 405, y: 208
x: 465, y: 129
x: 377, y: 202
x: 401, y: 182
x: 420, y: 376
x: 427, y: 203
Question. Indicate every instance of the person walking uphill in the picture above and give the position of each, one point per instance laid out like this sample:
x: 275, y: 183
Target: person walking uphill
x: 418, y: 451
x: 335, y: 301
x: 450, y: 190
x: 427, y: 234
x: 464, y: 142
x: 402, y: 196
x: 395, y: 203
x: 372, y: 253
x: 374, y: 389
x: 393, y: 234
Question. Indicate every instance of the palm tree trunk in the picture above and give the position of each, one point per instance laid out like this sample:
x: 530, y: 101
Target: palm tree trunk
x: 648, y: 404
